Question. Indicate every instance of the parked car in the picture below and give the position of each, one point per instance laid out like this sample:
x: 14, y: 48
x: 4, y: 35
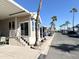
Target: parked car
x: 73, y: 34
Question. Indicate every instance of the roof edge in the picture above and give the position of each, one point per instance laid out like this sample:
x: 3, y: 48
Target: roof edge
x: 16, y: 4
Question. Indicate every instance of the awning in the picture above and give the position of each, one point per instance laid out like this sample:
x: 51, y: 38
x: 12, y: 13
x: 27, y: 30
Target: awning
x: 10, y: 8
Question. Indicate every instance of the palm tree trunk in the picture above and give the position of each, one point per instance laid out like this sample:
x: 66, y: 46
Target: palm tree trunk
x: 54, y: 27
x: 37, y: 21
x: 51, y: 29
x: 73, y: 21
x: 67, y: 26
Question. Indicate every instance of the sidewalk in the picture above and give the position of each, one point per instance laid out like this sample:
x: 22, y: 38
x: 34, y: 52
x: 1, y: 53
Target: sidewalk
x: 18, y: 52
x: 44, y: 47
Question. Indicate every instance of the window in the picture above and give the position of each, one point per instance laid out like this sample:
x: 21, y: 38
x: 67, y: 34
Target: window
x: 9, y: 25
x: 24, y: 28
x: 13, y: 25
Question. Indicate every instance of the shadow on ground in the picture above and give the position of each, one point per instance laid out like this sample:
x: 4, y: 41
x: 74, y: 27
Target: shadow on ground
x: 74, y: 36
x: 66, y: 47
x: 42, y: 56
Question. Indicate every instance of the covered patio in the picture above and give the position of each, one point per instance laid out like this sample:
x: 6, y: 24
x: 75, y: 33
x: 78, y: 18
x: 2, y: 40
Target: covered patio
x: 15, y: 21
x: 8, y: 14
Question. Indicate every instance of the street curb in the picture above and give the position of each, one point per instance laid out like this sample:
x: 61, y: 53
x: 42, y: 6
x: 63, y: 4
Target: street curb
x: 45, y: 47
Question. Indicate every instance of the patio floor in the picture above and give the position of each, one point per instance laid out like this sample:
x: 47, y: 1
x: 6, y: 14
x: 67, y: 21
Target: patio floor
x: 17, y: 52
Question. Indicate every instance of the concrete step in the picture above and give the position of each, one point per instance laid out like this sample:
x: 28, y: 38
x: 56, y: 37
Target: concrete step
x: 17, y: 42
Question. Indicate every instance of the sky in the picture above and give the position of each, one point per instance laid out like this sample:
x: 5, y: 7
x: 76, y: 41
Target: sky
x: 59, y: 8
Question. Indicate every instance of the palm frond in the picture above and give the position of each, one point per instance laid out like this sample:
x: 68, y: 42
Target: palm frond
x: 54, y: 18
x: 73, y: 10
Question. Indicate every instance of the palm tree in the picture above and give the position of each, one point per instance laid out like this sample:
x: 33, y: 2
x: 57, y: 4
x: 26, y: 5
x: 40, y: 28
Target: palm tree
x: 54, y: 18
x: 63, y: 26
x: 73, y: 10
x: 37, y: 21
x: 67, y: 23
x: 52, y: 24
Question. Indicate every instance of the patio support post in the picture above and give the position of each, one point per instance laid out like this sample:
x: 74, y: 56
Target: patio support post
x: 31, y: 40
x: 16, y: 26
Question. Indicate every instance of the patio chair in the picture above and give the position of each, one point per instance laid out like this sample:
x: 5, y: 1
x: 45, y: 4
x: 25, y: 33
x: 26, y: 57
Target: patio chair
x: 3, y: 40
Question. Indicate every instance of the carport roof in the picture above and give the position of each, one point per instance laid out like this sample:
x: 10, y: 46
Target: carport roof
x: 10, y: 8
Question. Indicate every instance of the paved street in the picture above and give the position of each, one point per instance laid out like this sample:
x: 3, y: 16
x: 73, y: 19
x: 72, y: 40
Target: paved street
x: 63, y: 47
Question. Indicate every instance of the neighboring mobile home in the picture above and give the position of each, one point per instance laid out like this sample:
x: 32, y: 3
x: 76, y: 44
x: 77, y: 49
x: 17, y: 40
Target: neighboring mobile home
x: 17, y: 22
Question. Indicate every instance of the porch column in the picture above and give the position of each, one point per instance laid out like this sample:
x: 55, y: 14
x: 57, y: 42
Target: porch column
x: 30, y: 32
x: 39, y: 39
x: 30, y: 28
x: 16, y: 26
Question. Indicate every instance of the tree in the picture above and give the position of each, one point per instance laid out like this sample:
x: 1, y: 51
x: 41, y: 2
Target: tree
x: 54, y: 18
x: 52, y: 24
x: 37, y: 21
x: 63, y: 26
x: 67, y: 23
x: 73, y: 10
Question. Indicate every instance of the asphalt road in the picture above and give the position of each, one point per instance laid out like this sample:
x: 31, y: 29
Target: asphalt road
x: 63, y: 47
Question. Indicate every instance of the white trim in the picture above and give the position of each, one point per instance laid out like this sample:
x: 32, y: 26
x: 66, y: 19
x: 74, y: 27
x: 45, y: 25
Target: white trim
x: 23, y: 22
x: 13, y: 2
